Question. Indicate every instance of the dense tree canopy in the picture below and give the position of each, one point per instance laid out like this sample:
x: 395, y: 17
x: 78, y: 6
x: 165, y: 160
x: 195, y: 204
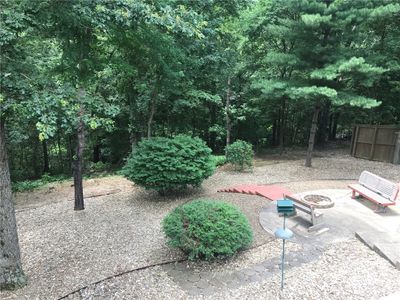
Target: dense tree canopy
x: 220, y: 70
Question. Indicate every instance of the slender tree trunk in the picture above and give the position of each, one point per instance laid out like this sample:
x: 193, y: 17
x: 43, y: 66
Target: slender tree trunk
x: 282, y: 125
x: 70, y: 152
x: 150, y: 120
x: 213, y: 120
x: 132, y: 124
x: 36, y: 166
x: 96, y: 153
x: 278, y: 128
x: 227, y: 118
x: 274, y: 132
x: 78, y: 160
x: 153, y: 99
x: 333, y: 126
x: 46, y: 167
x: 11, y: 273
x: 313, y: 130
x: 295, y: 132
x: 323, y: 125
x: 60, y: 158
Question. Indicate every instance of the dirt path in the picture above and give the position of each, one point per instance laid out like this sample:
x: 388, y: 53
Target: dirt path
x: 64, y: 191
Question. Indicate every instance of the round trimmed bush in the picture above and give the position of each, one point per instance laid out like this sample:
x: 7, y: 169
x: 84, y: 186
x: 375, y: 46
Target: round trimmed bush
x: 168, y: 164
x: 240, y: 154
x: 207, y: 229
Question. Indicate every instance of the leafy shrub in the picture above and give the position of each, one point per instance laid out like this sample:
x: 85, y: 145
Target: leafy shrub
x: 167, y: 164
x: 206, y: 229
x: 98, y: 167
x: 218, y: 160
x: 240, y: 154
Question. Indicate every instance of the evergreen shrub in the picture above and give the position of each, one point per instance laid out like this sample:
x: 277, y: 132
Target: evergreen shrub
x: 207, y: 229
x: 168, y: 164
x: 240, y: 154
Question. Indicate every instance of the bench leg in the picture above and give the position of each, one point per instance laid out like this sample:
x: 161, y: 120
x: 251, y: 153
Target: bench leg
x: 380, y: 209
x: 353, y: 194
x: 316, y: 227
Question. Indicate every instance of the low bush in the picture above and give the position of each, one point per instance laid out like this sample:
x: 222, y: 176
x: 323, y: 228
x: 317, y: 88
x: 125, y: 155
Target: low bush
x: 218, y: 160
x: 168, y: 164
x: 239, y: 154
x: 28, y: 185
x: 207, y: 229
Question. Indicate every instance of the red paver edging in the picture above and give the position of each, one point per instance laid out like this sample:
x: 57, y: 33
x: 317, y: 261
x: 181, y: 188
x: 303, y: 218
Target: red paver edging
x: 271, y: 192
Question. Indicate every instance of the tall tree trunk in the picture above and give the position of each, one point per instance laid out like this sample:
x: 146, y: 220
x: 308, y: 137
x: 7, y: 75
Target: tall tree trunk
x: 313, y: 130
x: 333, y: 126
x: 70, y: 152
x: 96, y: 153
x: 278, y: 128
x: 132, y: 124
x: 153, y: 99
x: 46, y: 167
x: 227, y: 117
x: 213, y: 120
x: 282, y: 125
x: 323, y: 130
x: 150, y: 120
x: 11, y: 273
x: 36, y: 167
x: 60, y: 158
x: 274, y: 132
x: 78, y: 161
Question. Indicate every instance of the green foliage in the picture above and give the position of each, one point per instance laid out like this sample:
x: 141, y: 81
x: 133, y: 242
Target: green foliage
x: 28, y: 185
x: 240, y: 154
x: 167, y: 164
x: 315, y: 20
x: 207, y: 229
x: 160, y: 68
x: 296, y: 61
x: 99, y: 167
x: 218, y: 160
x: 313, y: 92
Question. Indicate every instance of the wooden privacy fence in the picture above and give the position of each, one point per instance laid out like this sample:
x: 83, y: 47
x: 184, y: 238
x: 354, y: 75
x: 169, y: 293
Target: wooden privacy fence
x: 376, y: 142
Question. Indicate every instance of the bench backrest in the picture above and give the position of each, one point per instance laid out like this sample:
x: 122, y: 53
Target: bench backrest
x: 379, y: 185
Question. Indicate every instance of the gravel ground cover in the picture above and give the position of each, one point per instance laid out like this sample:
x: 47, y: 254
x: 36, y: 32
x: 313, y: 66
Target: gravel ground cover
x: 64, y: 250
x: 328, y: 165
x: 346, y: 270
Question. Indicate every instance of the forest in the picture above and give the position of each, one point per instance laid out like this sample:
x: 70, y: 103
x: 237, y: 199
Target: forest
x: 86, y: 80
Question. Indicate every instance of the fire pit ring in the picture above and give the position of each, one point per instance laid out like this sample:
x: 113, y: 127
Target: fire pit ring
x: 318, y: 201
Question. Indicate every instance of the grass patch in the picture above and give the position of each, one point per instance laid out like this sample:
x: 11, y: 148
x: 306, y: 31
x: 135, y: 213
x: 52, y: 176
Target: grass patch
x: 28, y: 185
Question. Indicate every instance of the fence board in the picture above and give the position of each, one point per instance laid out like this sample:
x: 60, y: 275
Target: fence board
x: 374, y: 142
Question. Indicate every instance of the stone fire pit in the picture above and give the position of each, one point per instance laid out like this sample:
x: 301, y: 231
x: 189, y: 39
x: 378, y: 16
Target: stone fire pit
x: 318, y: 201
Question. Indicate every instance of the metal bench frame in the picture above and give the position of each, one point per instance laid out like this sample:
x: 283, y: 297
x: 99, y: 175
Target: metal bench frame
x: 375, y: 189
x: 316, y: 220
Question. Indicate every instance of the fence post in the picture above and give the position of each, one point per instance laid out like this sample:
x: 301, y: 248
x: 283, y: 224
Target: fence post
x: 372, y: 152
x: 396, y: 154
x: 354, y: 140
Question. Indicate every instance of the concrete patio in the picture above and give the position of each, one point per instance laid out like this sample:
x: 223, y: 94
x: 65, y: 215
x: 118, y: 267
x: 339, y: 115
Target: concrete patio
x: 348, y: 217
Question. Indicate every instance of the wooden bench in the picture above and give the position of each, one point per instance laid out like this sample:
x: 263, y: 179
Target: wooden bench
x: 376, y: 189
x: 316, y: 217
